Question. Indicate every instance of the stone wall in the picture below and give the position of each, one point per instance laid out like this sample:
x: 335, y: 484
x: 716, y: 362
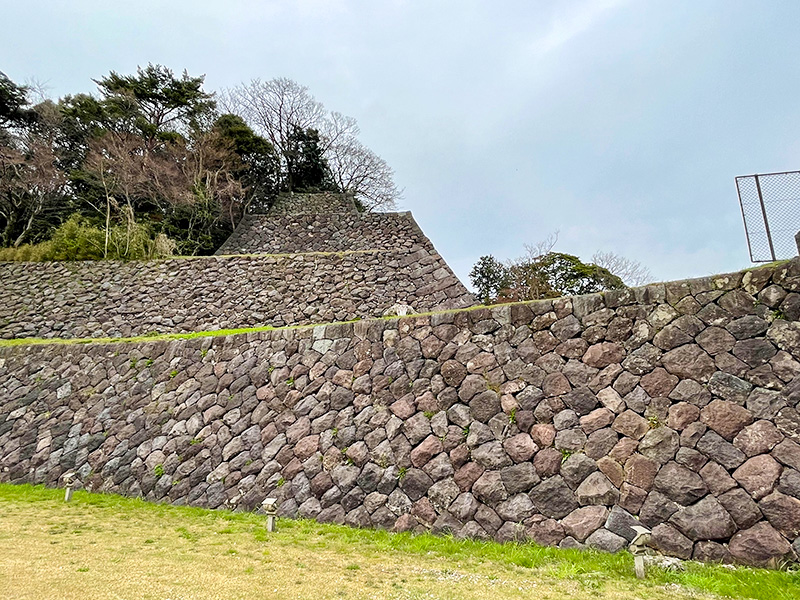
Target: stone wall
x: 325, y: 202
x: 120, y: 299
x: 275, y: 270
x: 566, y: 422
x: 326, y: 232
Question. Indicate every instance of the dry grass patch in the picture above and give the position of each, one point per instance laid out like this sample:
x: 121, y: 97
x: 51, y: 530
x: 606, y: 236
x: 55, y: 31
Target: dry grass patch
x: 103, y: 546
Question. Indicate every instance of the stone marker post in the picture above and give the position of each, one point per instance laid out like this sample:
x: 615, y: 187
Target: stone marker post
x: 272, y: 513
x: 637, y: 547
x: 69, y: 481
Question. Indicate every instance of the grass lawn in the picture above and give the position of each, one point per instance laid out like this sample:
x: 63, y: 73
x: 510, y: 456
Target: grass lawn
x: 105, y: 546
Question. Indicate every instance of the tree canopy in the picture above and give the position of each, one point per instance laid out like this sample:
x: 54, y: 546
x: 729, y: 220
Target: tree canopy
x: 151, y: 154
x: 13, y: 104
x: 155, y: 104
x: 536, y: 276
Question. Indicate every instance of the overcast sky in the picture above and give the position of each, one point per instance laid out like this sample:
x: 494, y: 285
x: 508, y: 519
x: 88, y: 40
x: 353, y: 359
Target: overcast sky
x: 620, y: 124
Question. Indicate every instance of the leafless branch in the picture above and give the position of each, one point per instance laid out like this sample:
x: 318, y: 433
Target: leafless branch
x: 275, y: 108
x: 631, y: 272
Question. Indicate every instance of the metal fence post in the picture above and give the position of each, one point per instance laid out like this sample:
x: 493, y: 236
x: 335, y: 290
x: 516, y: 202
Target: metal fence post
x: 764, y: 214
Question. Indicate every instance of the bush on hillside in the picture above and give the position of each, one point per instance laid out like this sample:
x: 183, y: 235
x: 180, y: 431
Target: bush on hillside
x: 79, y: 239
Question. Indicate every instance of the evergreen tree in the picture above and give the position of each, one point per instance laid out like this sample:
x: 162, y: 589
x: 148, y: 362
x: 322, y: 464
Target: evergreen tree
x: 489, y: 277
x: 307, y: 167
x: 13, y: 104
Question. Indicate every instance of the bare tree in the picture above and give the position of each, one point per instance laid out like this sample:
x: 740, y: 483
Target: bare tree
x: 126, y: 172
x: 31, y: 184
x: 276, y: 108
x: 336, y: 129
x: 197, y: 177
x: 38, y: 90
x: 527, y: 282
x: 357, y: 169
x: 631, y: 272
x: 535, y: 251
x: 208, y: 169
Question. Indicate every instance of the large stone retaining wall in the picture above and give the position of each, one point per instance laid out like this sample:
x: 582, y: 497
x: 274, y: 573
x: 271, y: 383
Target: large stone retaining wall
x: 112, y: 298
x: 566, y: 421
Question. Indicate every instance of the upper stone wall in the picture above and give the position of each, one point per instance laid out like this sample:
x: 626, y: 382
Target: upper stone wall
x: 326, y: 232
x: 329, y: 202
x: 113, y: 298
x: 292, y: 266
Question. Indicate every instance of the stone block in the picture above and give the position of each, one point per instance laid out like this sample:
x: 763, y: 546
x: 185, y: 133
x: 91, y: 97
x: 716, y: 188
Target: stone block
x: 680, y: 484
x: 705, y: 520
x: 758, y: 475
x: 582, y: 522
x: 759, y: 545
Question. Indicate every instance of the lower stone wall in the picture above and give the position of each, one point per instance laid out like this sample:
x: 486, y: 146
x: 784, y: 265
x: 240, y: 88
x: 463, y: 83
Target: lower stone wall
x: 566, y: 422
x: 121, y: 299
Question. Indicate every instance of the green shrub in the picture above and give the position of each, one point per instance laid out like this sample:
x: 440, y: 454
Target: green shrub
x: 26, y: 252
x: 78, y: 238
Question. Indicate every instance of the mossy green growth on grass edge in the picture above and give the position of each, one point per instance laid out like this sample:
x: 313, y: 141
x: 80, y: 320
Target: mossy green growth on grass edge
x: 729, y: 582
x: 225, y: 332
x: 138, y: 338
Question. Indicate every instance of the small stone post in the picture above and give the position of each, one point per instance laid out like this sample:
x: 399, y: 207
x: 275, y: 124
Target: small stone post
x: 272, y: 513
x: 797, y: 241
x: 69, y: 480
x: 637, y: 548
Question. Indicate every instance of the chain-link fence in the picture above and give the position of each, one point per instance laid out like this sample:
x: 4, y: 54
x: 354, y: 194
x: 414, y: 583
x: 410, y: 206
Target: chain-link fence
x: 771, y: 212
